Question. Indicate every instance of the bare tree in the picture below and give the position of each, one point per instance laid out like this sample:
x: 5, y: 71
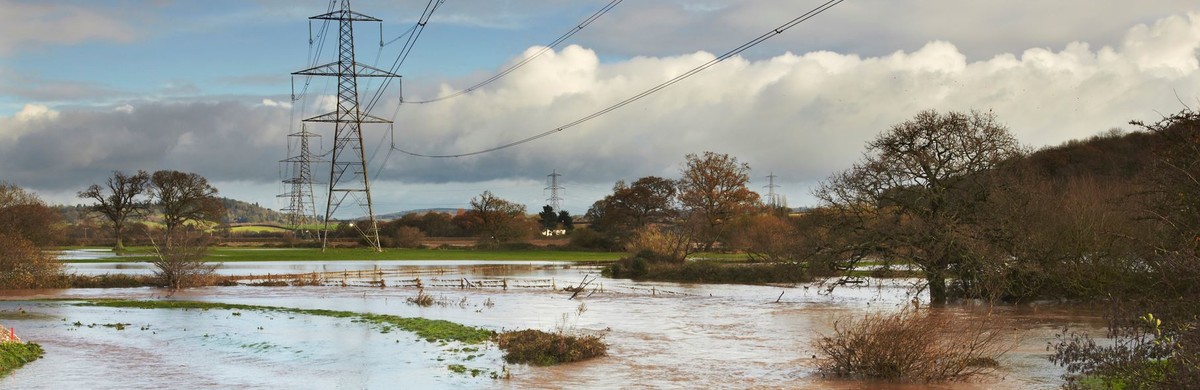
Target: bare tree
x: 921, y: 185
x: 496, y: 220
x: 180, y: 260
x: 184, y: 197
x: 11, y: 195
x: 121, y: 200
x: 713, y: 191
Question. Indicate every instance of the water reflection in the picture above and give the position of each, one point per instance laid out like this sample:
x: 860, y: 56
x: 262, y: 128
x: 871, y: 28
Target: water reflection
x: 662, y: 335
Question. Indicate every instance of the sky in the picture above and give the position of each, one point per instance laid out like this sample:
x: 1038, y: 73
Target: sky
x: 92, y: 86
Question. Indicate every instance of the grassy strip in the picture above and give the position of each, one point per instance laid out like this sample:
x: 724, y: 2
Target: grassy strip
x: 137, y: 254
x: 430, y: 330
x: 14, y: 355
x: 540, y: 348
x: 257, y: 229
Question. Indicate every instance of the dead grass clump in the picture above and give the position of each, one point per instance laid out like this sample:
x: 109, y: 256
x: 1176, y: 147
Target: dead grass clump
x: 422, y: 299
x: 913, y: 345
x: 540, y: 348
x: 110, y: 281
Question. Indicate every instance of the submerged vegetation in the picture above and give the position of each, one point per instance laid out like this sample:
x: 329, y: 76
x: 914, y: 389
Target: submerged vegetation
x: 525, y: 346
x: 229, y: 254
x: 430, y: 330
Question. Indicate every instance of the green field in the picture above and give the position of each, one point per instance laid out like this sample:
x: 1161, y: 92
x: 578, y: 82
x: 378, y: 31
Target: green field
x: 256, y: 229
x: 137, y: 254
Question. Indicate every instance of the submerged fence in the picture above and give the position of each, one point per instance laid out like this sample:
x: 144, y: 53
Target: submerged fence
x: 406, y: 277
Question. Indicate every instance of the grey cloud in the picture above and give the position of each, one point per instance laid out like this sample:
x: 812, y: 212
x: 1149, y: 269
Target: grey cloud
x: 26, y: 25
x: 223, y: 141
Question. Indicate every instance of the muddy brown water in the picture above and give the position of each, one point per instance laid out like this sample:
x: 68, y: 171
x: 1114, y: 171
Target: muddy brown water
x: 661, y: 335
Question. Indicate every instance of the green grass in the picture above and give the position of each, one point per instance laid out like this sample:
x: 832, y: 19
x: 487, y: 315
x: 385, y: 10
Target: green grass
x: 15, y: 355
x: 430, y: 330
x: 141, y: 254
x: 257, y: 229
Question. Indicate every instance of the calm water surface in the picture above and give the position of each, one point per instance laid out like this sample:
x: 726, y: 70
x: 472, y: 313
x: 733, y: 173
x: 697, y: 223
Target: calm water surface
x: 661, y: 335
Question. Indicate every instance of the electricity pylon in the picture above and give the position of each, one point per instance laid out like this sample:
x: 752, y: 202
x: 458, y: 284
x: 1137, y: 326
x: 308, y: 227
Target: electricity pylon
x: 772, y: 198
x: 555, y: 201
x: 301, y: 208
x: 348, y: 165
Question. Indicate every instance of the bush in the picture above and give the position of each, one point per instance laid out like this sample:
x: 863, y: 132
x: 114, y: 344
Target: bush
x: 180, y: 261
x: 407, y: 237
x: 912, y: 345
x: 663, y: 242
x: 540, y: 348
x: 590, y: 239
x: 1147, y: 353
x: 23, y: 265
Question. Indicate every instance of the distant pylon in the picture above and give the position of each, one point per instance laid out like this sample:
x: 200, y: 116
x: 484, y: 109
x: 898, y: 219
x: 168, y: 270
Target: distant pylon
x: 348, y: 165
x: 772, y: 197
x: 301, y: 208
x: 555, y: 201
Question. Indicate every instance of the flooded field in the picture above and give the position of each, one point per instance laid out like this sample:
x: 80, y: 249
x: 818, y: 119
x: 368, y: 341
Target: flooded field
x: 661, y: 335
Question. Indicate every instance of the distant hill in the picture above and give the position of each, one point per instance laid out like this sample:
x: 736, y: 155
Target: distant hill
x: 243, y: 212
x: 397, y: 215
x: 238, y: 211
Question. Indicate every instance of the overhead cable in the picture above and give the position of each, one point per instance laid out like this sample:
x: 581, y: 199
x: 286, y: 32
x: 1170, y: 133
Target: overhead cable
x: 776, y: 31
x: 408, y: 46
x: 524, y: 61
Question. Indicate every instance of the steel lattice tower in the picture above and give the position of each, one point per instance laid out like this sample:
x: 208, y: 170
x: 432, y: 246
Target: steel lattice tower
x: 348, y: 165
x: 301, y: 208
x: 555, y: 201
x: 772, y: 198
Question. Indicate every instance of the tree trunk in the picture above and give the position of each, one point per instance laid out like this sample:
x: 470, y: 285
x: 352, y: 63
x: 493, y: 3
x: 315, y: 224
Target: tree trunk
x: 937, y: 286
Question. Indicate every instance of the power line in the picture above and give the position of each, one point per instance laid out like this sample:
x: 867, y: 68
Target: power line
x: 408, y: 46
x: 754, y: 42
x: 510, y: 69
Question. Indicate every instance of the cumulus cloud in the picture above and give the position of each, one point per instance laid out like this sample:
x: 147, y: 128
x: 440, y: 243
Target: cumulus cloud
x: 801, y: 115
x: 871, y: 27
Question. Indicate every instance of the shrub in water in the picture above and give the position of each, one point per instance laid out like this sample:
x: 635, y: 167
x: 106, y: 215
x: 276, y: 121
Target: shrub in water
x: 912, y: 345
x: 540, y: 348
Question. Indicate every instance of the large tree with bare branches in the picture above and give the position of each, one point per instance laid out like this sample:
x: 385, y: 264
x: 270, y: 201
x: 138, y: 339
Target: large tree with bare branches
x: 921, y: 185
x: 121, y: 200
x: 184, y: 197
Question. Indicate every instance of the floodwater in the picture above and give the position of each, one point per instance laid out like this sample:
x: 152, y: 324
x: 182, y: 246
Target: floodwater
x: 660, y: 335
